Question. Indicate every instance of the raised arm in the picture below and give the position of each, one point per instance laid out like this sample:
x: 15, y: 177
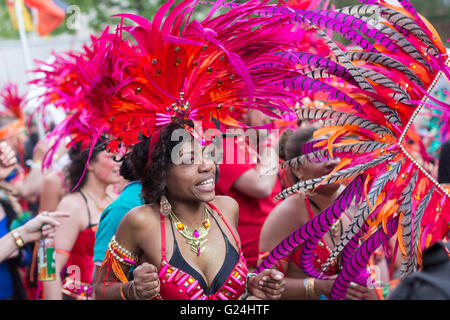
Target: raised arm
x: 259, y: 181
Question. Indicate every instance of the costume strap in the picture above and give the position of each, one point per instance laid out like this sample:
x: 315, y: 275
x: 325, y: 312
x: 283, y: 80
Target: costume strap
x: 163, y: 236
x: 308, y: 206
x: 228, y: 226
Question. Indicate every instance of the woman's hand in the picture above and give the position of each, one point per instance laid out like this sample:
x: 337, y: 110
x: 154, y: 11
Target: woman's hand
x: 354, y: 291
x: 267, y: 285
x: 146, y: 282
x: 41, y: 226
x: 8, y: 160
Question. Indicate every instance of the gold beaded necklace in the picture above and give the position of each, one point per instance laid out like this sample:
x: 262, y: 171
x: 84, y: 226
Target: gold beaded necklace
x: 196, y: 238
x: 99, y: 207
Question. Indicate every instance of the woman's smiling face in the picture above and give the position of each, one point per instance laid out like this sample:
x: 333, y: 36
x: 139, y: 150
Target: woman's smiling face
x: 105, y: 168
x: 192, y: 177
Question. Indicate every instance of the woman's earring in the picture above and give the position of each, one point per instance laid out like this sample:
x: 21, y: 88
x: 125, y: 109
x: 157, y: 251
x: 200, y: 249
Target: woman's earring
x: 165, y: 206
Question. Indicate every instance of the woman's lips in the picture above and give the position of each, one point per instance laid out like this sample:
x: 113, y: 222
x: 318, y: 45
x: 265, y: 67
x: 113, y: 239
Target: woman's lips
x: 206, y: 185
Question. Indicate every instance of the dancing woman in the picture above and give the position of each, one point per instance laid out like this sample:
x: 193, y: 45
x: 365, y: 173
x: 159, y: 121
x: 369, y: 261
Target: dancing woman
x: 184, y: 238
x: 75, y: 238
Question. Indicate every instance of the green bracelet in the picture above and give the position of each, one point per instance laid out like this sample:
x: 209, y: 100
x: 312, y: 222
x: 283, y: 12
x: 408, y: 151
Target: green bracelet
x: 247, y: 292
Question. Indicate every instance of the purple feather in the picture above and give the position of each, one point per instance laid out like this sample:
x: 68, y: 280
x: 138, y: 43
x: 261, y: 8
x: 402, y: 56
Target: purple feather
x: 303, y: 83
x: 317, y: 61
x: 307, y: 230
x: 361, y: 26
x: 326, y: 219
x: 359, y: 260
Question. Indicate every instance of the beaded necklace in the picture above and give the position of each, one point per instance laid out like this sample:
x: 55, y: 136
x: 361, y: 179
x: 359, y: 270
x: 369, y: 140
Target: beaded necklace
x: 196, y: 238
x: 96, y: 202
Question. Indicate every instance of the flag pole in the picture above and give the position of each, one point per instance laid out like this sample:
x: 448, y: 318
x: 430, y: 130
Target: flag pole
x: 22, y: 33
x: 18, y: 5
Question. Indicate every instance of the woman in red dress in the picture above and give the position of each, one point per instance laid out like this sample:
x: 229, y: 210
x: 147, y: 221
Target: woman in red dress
x: 296, y: 211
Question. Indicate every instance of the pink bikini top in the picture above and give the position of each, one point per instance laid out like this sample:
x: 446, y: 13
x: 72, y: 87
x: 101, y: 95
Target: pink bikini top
x: 179, y: 281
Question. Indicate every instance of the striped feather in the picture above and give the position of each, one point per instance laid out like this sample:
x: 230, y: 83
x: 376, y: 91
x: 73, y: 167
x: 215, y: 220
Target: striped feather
x: 384, y: 60
x: 359, y: 220
x: 403, y: 22
x: 319, y: 20
x: 342, y: 58
x: 342, y: 174
x: 412, y: 226
x: 403, y: 43
x: 319, y: 223
x: 358, y: 263
x: 383, y: 80
x: 361, y: 26
x: 339, y: 118
x: 354, y: 148
x: 328, y: 217
x: 313, y: 61
x: 388, y: 112
x: 302, y: 83
x: 406, y: 209
x: 396, y: 18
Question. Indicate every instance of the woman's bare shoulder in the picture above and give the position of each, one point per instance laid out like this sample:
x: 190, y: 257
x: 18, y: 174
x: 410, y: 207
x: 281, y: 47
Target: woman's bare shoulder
x: 292, y: 208
x: 286, y: 217
x: 72, y: 202
x: 228, y: 207
x: 141, y: 218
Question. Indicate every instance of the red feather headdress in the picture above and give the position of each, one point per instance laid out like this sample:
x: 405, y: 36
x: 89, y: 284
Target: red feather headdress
x: 144, y: 77
x: 12, y: 104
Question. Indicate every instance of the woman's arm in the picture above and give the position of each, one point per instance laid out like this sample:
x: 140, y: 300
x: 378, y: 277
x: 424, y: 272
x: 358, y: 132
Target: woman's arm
x: 112, y: 283
x: 37, y: 228
x: 65, y: 238
x: 259, y: 181
x: 52, y: 191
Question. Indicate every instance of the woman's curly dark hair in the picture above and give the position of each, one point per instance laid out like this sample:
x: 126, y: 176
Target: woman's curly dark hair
x: 126, y: 168
x: 134, y: 161
x: 290, y: 145
x: 153, y: 173
x: 295, y: 141
x: 79, y: 158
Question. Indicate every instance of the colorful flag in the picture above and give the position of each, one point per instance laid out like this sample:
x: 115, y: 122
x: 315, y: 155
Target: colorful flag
x: 28, y: 21
x: 48, y: 14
